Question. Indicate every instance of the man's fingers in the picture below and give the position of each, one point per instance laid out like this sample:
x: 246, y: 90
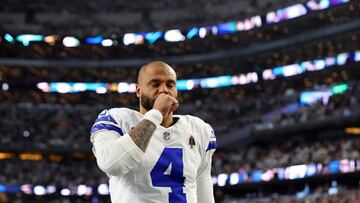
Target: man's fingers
x: 174, y: 107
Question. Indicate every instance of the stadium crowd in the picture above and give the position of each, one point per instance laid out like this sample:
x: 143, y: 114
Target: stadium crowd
x: 67, y: 170
x: 319, y: 195
x: 50, y: 120
x: 291, y: 152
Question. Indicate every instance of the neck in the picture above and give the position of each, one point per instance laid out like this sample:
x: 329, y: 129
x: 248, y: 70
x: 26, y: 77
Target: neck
x: 168, y: 120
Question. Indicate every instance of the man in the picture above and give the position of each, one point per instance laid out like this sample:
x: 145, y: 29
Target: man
x: 153, y: 156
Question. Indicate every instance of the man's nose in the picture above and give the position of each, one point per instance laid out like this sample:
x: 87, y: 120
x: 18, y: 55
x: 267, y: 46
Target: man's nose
x: 163, y: 89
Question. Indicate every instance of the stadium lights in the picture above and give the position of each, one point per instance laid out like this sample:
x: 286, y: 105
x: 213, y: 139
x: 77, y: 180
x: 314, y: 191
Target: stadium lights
x: 25, y: 39
x: 94, y: 40
x: 286, y: 13
x: 357, y: 56
x: 339, y: 89
x: 222, y: 178
x: 26, y: 189
x: 353, y: 130
x: 212, y: 82
x: 70, y: 41
x: 9, y: 38
x: 174, y: 36
x: 202, y: 32
x: 107, y: 42
x: 65, y: 192
x: 2, y: 188
x: 192, y: 33
x: 152, y: 37
x: 51, y: 39
x: 234, y: 178
x: 291, y: 172
x: 226, y: 28
x: 103, y: 189
x: 39, y: 190
x: 5, y: 87
x: 279, y: 15
x: 50, y: 189
x: 132, y: 38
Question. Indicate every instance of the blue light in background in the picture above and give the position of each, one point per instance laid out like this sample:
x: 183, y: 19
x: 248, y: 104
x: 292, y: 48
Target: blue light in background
x: 226, y: 28
x: 9, y: 38
x: 152, y: 37
x: 94, y: 40
x: 192, y: 33
x: 27, y: 38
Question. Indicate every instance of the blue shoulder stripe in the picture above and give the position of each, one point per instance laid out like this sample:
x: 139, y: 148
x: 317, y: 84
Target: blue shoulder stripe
x: 106, y: 118
x: 212, y: 145
x: 103, y: 126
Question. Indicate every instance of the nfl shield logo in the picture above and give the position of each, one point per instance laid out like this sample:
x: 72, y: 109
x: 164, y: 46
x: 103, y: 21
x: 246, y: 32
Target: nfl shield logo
x: 166, y: 136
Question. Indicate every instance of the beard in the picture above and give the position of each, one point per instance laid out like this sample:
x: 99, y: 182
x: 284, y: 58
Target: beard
x: 147, y: 102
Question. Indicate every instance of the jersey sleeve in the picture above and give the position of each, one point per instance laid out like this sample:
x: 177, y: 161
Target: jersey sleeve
x: 204, y: 182
x: 115, y: 151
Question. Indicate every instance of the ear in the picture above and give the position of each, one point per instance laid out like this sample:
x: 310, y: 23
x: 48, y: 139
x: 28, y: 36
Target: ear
x: 138, y: 94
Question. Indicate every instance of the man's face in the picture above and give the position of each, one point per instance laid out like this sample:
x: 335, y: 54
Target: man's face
x: 153, y: 81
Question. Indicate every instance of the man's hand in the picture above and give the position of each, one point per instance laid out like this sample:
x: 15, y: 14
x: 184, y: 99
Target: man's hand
x: 165, y: 104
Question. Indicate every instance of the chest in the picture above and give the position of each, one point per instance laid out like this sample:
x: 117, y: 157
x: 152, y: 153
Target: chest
x: 170, y: 153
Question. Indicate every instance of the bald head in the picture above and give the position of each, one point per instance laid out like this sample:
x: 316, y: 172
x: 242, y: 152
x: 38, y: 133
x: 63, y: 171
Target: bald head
x: 155, y: 67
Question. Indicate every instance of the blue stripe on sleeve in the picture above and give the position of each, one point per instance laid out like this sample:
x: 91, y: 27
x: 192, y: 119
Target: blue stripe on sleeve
x: 212, y: 145
x: 103, y: 126
x: 106, y: 118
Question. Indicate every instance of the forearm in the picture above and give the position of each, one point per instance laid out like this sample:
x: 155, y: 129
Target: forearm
x: 205, y: 190
x: 142, y: 133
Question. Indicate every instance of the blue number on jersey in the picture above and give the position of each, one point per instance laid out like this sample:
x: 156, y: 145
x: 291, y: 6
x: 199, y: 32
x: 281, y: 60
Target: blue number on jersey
x: 175, y: 179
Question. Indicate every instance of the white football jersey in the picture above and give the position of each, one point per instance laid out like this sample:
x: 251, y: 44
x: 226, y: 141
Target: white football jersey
x: 174, y: 169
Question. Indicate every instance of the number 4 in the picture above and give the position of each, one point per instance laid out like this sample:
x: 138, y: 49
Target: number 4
x: 175, y: 179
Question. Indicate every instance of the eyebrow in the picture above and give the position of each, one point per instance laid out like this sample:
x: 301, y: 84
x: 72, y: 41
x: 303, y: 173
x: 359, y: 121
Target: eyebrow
x: 157, y: 80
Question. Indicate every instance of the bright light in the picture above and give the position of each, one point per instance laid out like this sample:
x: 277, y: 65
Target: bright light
x: 123, y: 87
x: 103, y: 189
x: 26, y: 189
x: 234, y: 178
x: 27, y: 38
x: 44, y: 86
x: 222, y: 179
x: 81, y: 190
x: 50, y: 39
x: 107, y: 43
x: 63, y: 87
x: 101, y: 90
x: 132, y: 87
x: 5, y: 87
x: 214, y: 180
x: 151, y: 37
x: 193, y: 32
x: 190, y: 84
x: 79, y: 87
x: 65, y: 192
x: 131, y: 38
x: 26, y: 133
x: 9, y: 38
x: 50, y: 189
x: 174, y: 36
x: 39, y: 190
x: 94, y: 40
x: 71, y: 42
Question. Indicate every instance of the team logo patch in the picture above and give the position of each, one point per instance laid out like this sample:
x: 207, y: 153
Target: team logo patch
x: 166, y: 136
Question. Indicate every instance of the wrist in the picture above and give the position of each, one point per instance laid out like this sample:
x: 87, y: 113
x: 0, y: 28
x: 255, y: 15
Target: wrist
x: 154, y: 116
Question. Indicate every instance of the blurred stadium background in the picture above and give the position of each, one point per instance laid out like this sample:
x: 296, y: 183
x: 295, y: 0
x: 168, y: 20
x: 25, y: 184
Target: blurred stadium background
x: 278, y: 81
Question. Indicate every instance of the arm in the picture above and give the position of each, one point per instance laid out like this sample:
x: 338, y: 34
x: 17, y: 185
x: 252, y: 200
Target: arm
x: 118, y: 155
x: 204, y: 184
